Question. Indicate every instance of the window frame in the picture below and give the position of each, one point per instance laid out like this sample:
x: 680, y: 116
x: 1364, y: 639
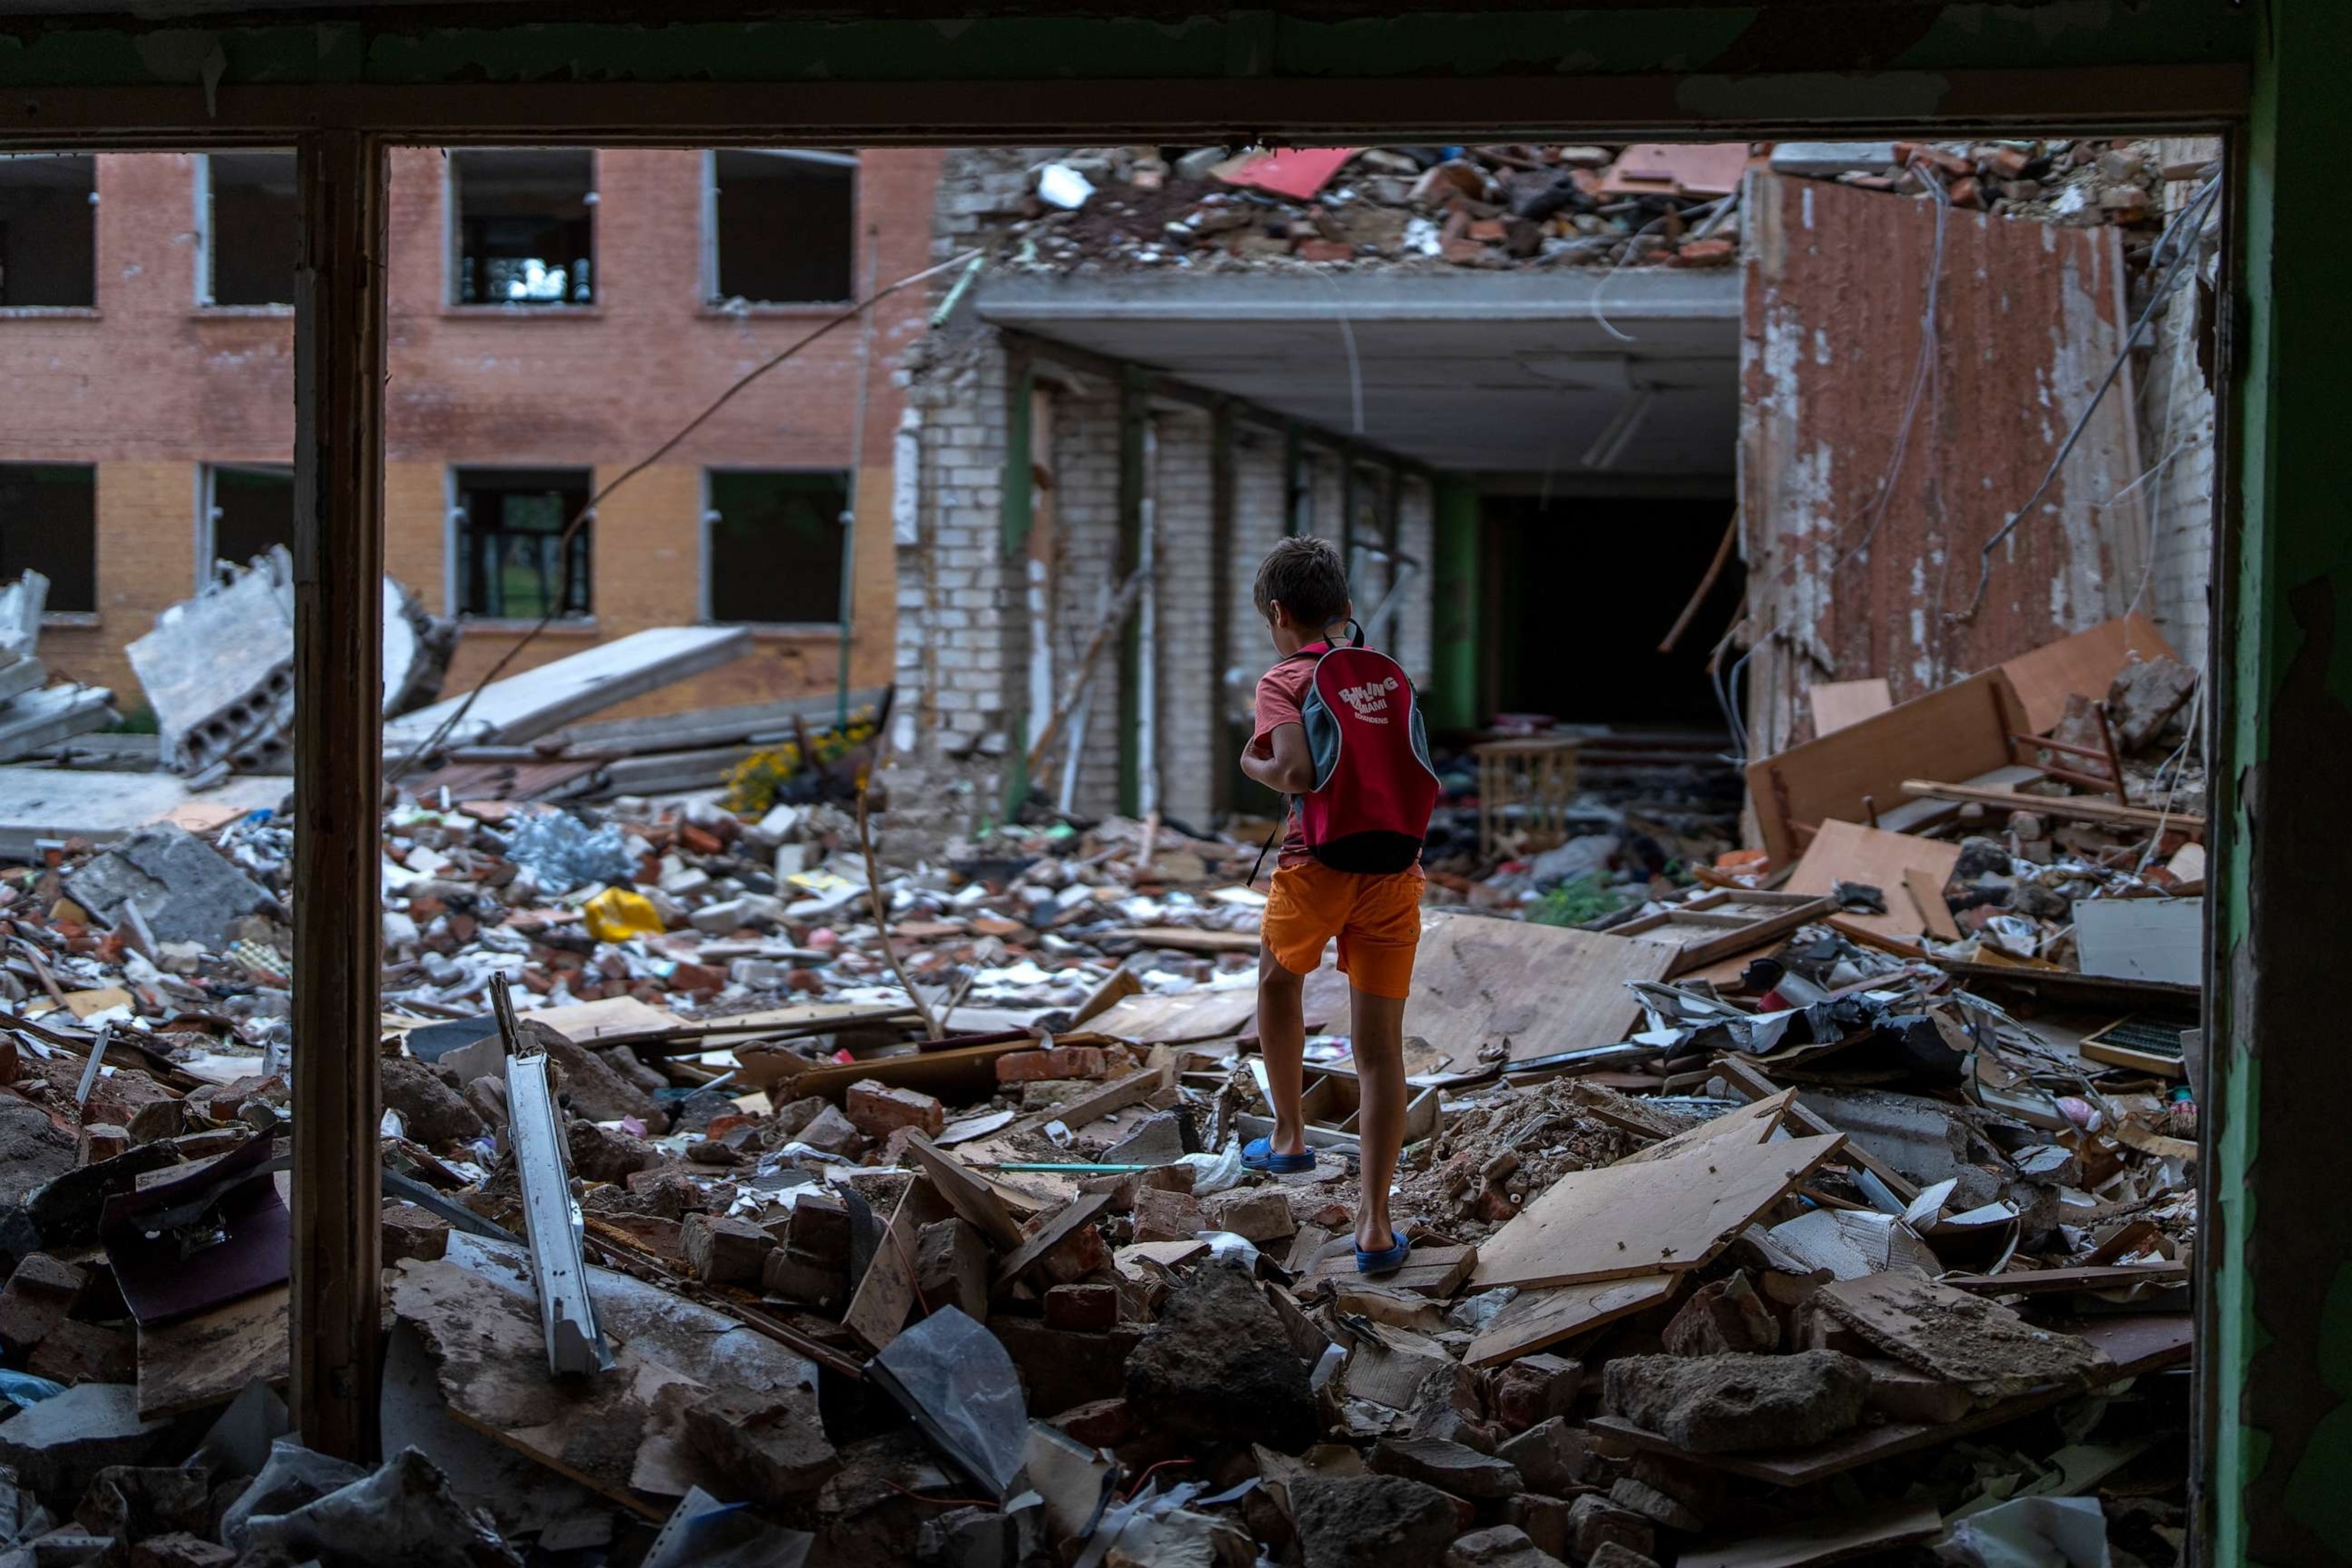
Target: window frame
x: 92, y: 311
x: 455, y: 519
x: 90, y: 616
x: 453, y: 240
x: 713, y: 302
x: 208, y: 505
x: 708, y: 521
x: 205, y: 303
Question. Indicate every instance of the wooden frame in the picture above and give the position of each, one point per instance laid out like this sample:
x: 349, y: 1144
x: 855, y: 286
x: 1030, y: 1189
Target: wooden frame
x: 341, y: 129
x: 1773, y: 915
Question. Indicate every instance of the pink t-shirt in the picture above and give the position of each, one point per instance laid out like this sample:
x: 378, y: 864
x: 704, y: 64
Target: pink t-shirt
x: 1281, y: 697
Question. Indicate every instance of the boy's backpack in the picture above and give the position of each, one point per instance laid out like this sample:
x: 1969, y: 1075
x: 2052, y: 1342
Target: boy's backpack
x: 1374, y: 788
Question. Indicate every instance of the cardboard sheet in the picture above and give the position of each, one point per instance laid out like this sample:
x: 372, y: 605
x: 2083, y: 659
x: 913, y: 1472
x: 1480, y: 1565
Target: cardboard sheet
x: 1478, y: 981
x: 1848, y: 852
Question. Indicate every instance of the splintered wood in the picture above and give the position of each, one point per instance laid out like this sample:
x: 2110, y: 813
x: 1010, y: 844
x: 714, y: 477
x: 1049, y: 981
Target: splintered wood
x: 1543, y: 989
x: 1625, y: 1220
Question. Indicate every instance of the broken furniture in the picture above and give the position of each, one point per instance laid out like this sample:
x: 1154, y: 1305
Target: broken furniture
x: 1525, y: 784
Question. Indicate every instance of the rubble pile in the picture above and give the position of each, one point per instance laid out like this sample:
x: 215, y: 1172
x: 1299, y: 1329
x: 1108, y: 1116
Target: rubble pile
x: 1817, y: 1255
x: 1500, y: 206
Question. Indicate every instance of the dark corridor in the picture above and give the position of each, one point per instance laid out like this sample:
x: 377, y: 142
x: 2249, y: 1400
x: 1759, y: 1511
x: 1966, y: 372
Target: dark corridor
x: 1580, y: 591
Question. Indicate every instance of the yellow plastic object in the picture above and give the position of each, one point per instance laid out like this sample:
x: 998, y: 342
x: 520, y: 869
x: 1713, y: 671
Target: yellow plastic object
x: 617, y: 914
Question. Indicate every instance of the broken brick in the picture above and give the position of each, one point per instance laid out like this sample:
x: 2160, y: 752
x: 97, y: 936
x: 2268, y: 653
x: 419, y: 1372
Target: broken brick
x: 1167, y: 1217
x: 1087, y: 1308
x: 1535, y: 1388
x: 1258, y: 1213
x: 876, y: 1110
x: 36, y: 1299
x: 791, y: 1274
x: 1061, y: 1061
x: 410, y: 1231
x: 721, y: 1249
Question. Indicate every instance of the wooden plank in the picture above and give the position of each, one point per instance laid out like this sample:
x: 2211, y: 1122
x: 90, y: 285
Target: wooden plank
x: 1842, y: 704
x: 1180, y: 1019
x: 1749, y: 1083
x: 583, y: 1023
x: 1849, y: 852
x: 1623, y: 1220
x: 1728, y: 924
x: 1751, y: 1123
x: 959, y: 1075
x: 206, y: 1360
x: 2086, y: 663
x: 1478, y: 981
x: 1122, y: 983
x: 1831, y: 1538
x: 2045, y: 1282
x: 1183, y: 939
x: 2141, y: 938
x: 337, y: 1326
x: 966, y: 1193
x: 1116, y: 1095
x: 2073, y: 807
x: 1962, y: 728
x: 877, y: 1311
x: 1429, y: 1270
x: 1537, y: 1318
x: 1927, y: 896
x: 1080, y: 1210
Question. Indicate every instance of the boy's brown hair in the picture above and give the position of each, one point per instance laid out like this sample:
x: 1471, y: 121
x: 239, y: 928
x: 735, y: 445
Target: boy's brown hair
x: 1309, y: 578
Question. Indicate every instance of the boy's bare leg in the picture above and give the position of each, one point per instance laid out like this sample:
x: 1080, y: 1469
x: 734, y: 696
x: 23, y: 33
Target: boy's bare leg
x: 1378, y: 1025
x: 1282, y: 1039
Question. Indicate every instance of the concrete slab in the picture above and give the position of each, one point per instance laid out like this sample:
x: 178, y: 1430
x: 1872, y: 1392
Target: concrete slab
x: 527, y: 706
x: 39, y: 719
x: 104, y: 807
x: 187, y: 890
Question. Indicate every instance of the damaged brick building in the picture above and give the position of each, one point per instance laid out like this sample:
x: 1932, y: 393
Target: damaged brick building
x: 1529, y: 389
x: 555, y: 311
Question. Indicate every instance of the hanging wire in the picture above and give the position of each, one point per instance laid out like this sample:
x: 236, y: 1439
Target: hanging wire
x: 848, y: 313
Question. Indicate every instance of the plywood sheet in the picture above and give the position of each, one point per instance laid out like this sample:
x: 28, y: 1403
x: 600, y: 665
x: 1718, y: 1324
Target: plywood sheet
x: 582, y: 1022
x: 1838, y: 704
x: 1537, y: 1318
x: 2084, y: 663
x: 1957, y: 731
x: 1479, y: 981
x: 1624, y: 1220
x: 1849, y: 852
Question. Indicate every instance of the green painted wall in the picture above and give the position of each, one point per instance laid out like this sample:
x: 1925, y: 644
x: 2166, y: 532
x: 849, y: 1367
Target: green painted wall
x: 2276, y: 1233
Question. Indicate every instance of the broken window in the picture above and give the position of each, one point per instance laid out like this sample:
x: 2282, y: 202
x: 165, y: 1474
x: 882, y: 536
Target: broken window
x: 49, y: 523
x: 252, y: 229
x: 513, y: 561
x: 248, y: 511
x: 775, y: 546
x: 783, y: 224
x: 525, y: 225
x: 48, y: 232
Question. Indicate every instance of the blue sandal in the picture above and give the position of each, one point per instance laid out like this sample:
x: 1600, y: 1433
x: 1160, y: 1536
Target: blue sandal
x: 1258, y: 1156
x: 1386, y: 1262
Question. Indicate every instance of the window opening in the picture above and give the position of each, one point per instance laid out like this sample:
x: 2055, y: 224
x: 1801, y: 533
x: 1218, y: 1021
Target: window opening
x: 49, y: 523
x: 525, y: 228
x: 48, y: 232
x: 252, y: 229
x: 786, y: 225
x: 775, y: 546
x: 512, y: 561
x: 249, y: 510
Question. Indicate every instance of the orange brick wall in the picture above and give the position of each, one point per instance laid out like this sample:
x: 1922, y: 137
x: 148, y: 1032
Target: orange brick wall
x: 150, y: 388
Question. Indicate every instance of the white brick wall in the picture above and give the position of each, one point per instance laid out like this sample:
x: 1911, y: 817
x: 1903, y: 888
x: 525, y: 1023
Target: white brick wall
x: 962, y: 638
x: 1183, y: 485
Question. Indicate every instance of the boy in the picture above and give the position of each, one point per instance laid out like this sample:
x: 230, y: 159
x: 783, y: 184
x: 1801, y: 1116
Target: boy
x: 1302, y: 591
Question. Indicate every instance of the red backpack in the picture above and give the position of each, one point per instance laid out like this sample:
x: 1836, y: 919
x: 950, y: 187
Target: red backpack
x: 1374, y: 787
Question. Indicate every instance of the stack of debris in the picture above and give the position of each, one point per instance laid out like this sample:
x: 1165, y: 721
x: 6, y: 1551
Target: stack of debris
x: 1493, y: 206
x: 218, y: 669
x: 911, y: 1224
x: 34, y: 715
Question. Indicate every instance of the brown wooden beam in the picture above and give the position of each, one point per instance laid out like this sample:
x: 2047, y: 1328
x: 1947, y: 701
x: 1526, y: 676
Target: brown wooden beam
x: 338, y: 357
x: 1816, y: 100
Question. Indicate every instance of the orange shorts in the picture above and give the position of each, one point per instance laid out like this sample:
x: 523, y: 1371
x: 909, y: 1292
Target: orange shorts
x: 1375, y: 917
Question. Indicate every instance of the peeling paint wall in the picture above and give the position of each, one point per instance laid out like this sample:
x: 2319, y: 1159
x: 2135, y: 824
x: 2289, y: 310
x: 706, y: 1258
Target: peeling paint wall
x: 1870, y: 482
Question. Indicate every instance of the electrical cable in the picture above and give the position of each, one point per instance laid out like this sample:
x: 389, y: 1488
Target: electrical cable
x: 848, y: 313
